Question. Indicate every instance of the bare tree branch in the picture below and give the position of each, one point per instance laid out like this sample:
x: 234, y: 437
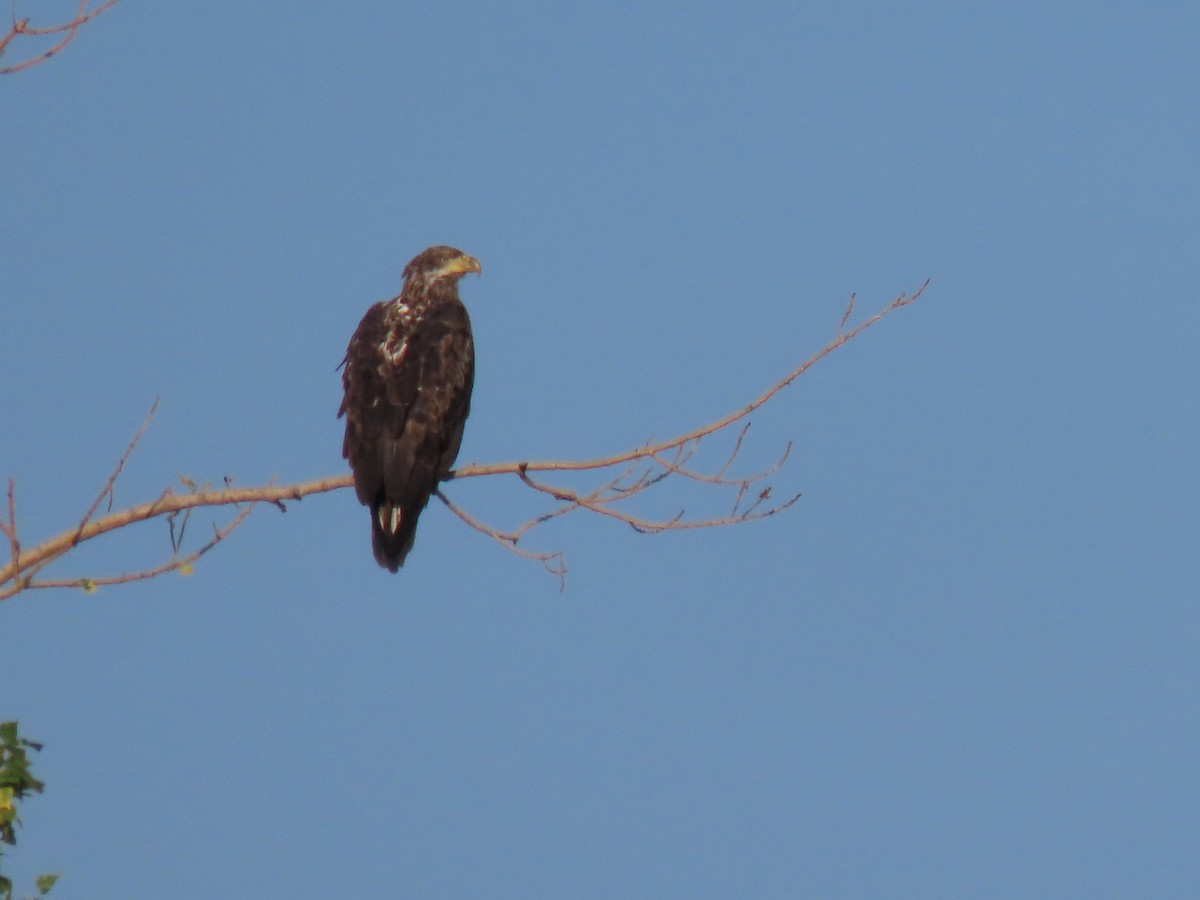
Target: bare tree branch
x: 18, y: 574
x: 626, y: 474
x: 704, y: 430
x: 21, y: 27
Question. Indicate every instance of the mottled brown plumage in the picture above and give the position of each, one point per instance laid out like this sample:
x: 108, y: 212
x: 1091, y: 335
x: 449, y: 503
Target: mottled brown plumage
x: 408, y: 374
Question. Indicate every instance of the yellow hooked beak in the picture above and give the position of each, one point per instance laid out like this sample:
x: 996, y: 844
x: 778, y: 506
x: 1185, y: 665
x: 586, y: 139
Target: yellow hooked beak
x: 461, y: 265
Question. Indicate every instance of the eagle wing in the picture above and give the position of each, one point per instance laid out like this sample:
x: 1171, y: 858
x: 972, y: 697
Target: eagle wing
x: 407, y: 395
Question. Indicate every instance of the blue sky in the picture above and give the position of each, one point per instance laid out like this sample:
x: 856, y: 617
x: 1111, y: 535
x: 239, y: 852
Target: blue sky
x: 965, y: 664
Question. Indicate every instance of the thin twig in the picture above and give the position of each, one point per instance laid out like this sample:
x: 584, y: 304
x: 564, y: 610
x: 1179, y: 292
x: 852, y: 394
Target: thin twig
x: 10, y: 530
x: 850, y: 310
x: 109, y: 486
x: 737, y: 446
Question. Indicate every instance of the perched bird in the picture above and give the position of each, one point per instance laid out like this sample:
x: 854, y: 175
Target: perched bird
x: 407, y: 377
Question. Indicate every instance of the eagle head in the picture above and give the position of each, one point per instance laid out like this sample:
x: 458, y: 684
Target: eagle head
x: 439, y: 263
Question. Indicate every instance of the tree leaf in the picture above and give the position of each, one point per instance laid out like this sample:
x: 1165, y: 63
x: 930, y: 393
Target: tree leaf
x: 45, y: 882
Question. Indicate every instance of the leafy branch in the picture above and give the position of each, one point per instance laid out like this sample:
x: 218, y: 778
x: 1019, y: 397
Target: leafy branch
x: 16, y: 781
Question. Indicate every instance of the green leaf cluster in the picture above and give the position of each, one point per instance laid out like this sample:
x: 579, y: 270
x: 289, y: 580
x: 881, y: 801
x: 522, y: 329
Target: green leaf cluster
x: 16, y: 782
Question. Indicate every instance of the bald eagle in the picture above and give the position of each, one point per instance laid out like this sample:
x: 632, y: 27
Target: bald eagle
x: 407, y: 376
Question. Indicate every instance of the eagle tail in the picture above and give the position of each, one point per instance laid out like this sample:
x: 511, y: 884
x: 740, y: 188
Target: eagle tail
x: 393, y: 530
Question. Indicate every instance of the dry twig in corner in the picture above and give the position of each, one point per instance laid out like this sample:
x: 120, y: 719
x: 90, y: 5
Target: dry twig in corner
x: 21, y: 27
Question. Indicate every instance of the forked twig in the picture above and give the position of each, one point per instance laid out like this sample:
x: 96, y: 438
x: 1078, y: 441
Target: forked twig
x: 553, y: 562
x: 21, y: 27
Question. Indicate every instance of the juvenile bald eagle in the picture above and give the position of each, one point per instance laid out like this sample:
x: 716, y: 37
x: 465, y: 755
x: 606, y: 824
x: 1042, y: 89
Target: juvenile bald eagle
x: 407, y: 378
